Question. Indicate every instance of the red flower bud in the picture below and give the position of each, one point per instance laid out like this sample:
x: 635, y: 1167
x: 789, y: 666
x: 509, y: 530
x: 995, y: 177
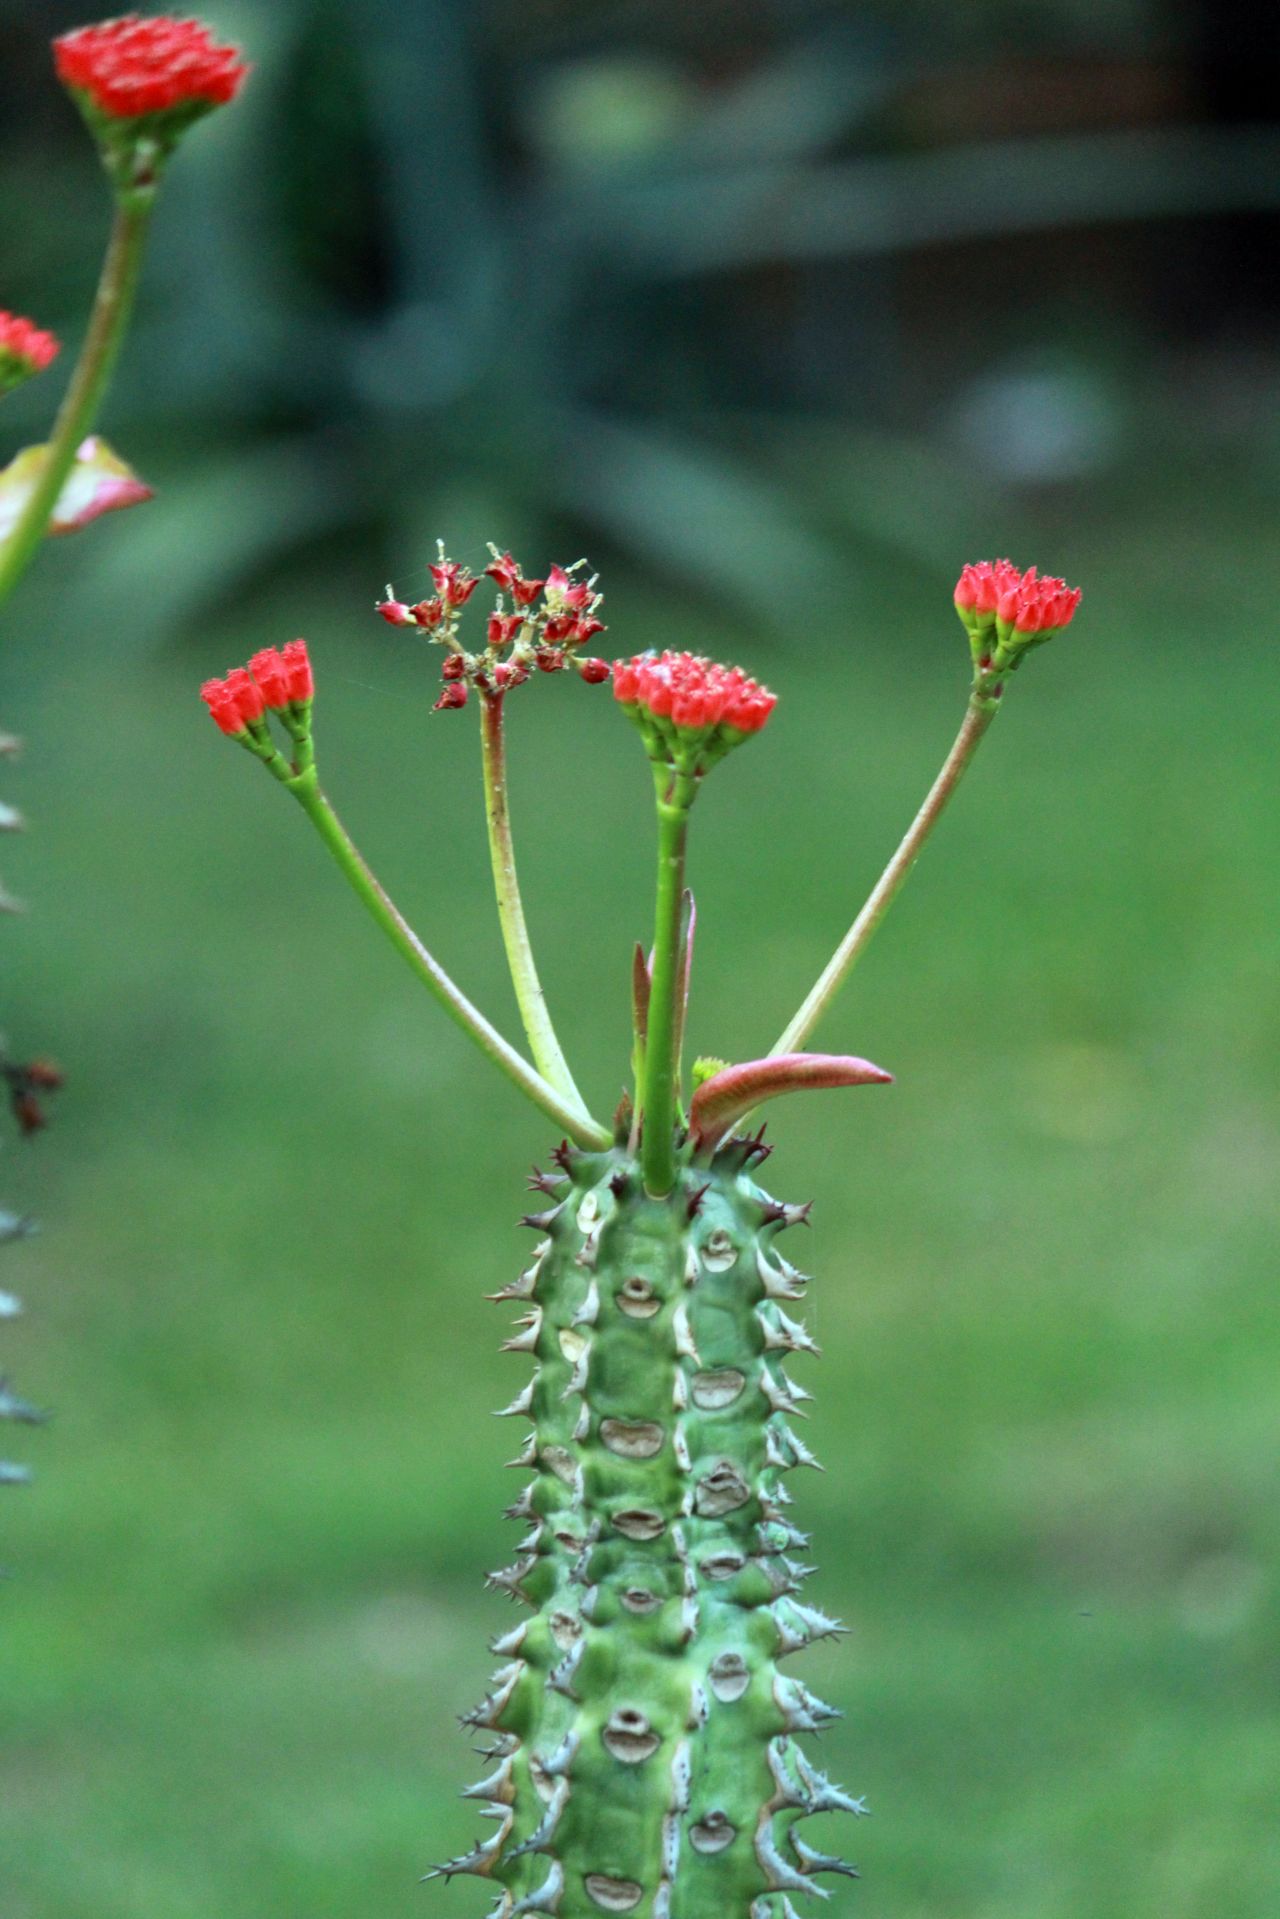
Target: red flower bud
x: 246, y: 693
x: 25, y: 349
x: 549, y: 659
x: 223, y: 707
x: 694, y: 694
x: 584, y: 630
x: 268, y: 670
x: 980, y: 585
x: 395, y: 612
x: 994, y: 590
x: 453, y: 583
x: 128, y: 68
x: 297, y: 666
x: 503, y: 628
x: 626, y: 682
x: 454, y: 667
x: 455, y: 694
x: 557, y: 630
x: 427, y: 613
x: 525, y: 592
x: 505, y: 571
x: 594, y: 672
x: 565, y: 592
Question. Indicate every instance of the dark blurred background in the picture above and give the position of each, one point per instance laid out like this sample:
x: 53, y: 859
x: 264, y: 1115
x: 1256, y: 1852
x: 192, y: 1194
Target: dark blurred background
x: 780, y: 313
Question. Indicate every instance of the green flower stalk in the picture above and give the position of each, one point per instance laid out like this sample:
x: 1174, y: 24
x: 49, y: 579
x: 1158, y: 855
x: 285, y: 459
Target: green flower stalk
x: 644, y: 1737
x: 139, y: 84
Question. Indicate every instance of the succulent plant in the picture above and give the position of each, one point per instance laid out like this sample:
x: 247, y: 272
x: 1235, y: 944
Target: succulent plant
x: 643, y: 1737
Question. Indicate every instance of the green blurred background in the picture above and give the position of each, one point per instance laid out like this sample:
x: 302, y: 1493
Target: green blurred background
x: 780, y: 312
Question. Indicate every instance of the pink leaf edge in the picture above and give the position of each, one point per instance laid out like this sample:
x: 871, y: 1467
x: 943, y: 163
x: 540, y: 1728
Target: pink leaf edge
x: 725, y: 1098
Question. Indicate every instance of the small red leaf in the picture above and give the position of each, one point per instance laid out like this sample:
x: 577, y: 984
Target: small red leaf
x: 98, y: 483
x: 720, y: 1102
x: 641, y: 983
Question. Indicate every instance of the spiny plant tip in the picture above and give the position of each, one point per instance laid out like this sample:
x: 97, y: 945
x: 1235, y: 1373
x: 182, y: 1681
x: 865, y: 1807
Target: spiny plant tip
x: 130, y: 67
x: 25, y: 349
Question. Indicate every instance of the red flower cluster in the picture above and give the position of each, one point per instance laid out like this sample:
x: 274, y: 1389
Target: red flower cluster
x: 24, y: 349
x: 544, y: 636
x: 693, y: 693
x: 993, y: 590
x: 273, y: 681
x: 130, y: 67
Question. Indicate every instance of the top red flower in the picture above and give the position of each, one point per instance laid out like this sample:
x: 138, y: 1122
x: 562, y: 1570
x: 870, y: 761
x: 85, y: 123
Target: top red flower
x: 692, y: 692
x: 993, y: 593
x: 131, y: 67
x: 690, y: 710
x: 1006, y: 613
x: 24, y: 349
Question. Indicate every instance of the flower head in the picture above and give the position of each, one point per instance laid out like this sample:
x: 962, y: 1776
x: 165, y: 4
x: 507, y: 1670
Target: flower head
x: 24, y: 349
x: 131, y: 68
x: 275, y: 681
x: 538, y: 623
x: 1006, y: 612
x: 691, y: 710
x: 980, y: 585
x: 224, y: 708
x: 140, y: 84
x: 284, y: 678
x: 1035, y: 607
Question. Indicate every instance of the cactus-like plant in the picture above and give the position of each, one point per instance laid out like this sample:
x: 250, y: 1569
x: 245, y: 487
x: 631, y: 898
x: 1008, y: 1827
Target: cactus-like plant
x: 643, y: 1738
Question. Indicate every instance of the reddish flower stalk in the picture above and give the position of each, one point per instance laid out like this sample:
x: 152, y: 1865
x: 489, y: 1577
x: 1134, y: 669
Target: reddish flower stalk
x: 25, y: 349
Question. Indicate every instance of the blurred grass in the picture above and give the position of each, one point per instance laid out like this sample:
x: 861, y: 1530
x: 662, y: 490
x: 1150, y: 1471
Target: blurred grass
x: 247, y: 1604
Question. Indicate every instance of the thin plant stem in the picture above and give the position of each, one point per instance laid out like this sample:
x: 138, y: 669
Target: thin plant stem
x: 978, y: 717
x: 539, y: 1029
x: 661, y: 1067
x: 111, y: 308
x: 572, y: 1118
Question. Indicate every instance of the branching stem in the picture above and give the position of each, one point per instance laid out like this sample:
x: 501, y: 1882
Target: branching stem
x: 978, y: 717
x: 570, y: 1116
x: 543, y: 1043
x: 111, y: 308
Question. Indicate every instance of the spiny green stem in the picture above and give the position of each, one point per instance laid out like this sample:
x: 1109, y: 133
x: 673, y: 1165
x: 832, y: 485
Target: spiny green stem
x: 116, y: 286
x: 978, y: 717
x: 675, y: 793
x: 573, y: 1119
x: 543, y: 1043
